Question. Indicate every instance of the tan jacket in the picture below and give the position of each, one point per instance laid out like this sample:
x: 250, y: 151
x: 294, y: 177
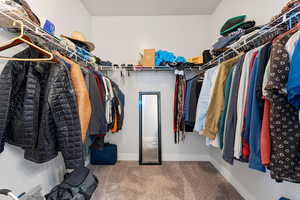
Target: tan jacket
x: 216, y: 105
x: 82, y: 95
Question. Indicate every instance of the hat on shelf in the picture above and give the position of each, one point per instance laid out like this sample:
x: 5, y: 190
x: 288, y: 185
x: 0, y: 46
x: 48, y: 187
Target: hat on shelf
x: 79, y: 37
x: 232, y: 24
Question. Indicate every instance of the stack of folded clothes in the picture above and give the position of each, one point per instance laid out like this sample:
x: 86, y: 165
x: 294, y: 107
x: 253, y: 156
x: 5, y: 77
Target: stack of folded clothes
x: 164, y: 58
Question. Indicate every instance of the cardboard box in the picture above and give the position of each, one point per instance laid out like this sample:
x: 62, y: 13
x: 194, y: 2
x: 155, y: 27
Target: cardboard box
x: 149, y: 58
x: 196, y: 60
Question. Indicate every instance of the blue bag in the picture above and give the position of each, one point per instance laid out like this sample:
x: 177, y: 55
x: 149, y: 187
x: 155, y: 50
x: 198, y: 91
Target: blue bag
x: 106, y: 156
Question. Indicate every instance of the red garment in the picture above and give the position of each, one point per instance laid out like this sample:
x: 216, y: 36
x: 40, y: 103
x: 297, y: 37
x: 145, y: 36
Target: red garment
x: 99, y: 88
x: 245, y: 144
x: 265, y: 145
x: 101, y: 94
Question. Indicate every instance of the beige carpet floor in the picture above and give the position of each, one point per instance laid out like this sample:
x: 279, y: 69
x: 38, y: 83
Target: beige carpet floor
x: 171, y: 181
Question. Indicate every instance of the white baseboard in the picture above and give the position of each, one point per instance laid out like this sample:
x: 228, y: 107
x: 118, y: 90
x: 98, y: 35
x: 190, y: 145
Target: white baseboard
x: 185, y: 157
x: 166, y: 157
x: 128, y: 157
x: 236, y: 184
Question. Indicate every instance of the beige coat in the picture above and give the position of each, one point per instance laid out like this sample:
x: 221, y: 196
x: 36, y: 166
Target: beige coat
x: 216, y: 105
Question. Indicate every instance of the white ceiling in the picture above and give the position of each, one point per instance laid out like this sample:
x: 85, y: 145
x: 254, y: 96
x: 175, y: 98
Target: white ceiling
x: 150, y: 7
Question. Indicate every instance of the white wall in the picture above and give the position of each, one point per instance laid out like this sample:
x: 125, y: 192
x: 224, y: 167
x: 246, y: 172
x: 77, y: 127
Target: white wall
x: 253, y: 185
x: 15, y: 172
x: 128, y: 139
x: 67, y: 15
x: 120, y: 39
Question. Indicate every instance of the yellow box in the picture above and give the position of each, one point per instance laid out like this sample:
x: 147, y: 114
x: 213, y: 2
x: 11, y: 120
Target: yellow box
x: 196, y: 60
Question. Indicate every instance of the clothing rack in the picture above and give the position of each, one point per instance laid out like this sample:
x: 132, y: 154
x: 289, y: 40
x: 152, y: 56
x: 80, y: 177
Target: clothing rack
x: 143, y: 69
x: 37, y: 32
x: 241, y: 46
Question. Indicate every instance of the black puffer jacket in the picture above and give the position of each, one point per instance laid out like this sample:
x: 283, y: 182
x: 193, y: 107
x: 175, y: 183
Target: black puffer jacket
x: 43, y: 120
x: 12, y: 92
x: 59, y: 126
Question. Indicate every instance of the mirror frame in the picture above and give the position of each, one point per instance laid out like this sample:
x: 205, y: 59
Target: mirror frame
x: 141, y: 94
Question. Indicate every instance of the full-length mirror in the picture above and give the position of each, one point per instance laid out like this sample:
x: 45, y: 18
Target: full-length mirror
x: 150, y: 128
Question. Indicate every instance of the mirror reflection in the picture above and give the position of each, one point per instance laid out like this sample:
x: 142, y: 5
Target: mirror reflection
x: 150, y: 128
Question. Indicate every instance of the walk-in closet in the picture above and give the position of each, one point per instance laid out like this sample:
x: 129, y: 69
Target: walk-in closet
x: 149, y: 100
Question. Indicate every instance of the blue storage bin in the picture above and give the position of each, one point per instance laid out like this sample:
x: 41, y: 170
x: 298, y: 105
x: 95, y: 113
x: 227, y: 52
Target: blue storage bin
x: 107, y: 156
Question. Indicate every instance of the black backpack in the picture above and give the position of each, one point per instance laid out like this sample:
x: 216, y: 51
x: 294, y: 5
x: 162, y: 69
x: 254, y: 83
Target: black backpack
x: 78, y: 185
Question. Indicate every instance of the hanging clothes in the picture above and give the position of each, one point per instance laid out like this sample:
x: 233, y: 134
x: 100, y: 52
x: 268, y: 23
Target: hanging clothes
x: 98, y: 123
x: 108, y: 101
x: 82, y: 95
x: 284, y: 121
x: 231, y: 121
x: 293, y: 81
x: 39, y: 97
x: 265, y: 135
x: 256, y: 139
x: 118, y: 105
x: 247, y: 113
x: 227, y: 113
x: 100, y: 94
x: 179, y: 125
x: 265, y: 132
x: 99, y: 127
x: 193, y: 88
x: 253, y: 131
x: 224, y: 113
x: 203, y: 100
x: 265, y: 145
x: 241, y: 103
x: 112, y: 100
x: 212, y: 142
x: 217, y: 103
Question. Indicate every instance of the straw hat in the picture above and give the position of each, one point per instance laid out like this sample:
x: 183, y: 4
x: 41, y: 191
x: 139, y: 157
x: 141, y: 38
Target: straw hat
x: 78, y: 36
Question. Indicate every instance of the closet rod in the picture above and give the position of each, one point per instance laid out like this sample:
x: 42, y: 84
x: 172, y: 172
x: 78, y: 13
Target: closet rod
x: 36, y: 30
x: 268, y: 28
x: 142, y: 69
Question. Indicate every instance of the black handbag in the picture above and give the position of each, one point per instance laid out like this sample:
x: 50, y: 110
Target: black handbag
x: 78, y: 185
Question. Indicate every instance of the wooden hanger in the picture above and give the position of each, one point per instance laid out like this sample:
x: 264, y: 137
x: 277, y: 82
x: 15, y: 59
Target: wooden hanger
x: 23, y: 39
